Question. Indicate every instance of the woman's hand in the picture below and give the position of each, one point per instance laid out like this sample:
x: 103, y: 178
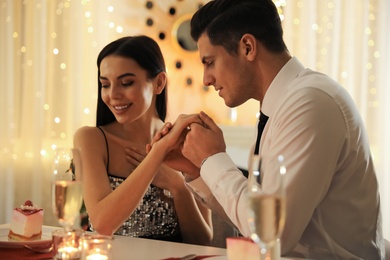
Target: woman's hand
x: 176, y: 135
x: 134, y: 156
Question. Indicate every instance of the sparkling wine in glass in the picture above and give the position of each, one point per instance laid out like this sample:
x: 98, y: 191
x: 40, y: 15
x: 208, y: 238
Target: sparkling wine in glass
x: 266, y: 202
x: 67, y: 187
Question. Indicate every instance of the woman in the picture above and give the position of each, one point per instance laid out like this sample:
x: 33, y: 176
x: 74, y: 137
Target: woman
x: 127, y: 192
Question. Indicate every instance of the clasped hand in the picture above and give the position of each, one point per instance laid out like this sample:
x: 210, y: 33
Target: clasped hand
x: 191, y: 139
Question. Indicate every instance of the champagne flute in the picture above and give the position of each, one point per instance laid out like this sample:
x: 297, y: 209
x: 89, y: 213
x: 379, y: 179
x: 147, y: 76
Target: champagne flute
x: 67, y: 187
x: 266, y: 202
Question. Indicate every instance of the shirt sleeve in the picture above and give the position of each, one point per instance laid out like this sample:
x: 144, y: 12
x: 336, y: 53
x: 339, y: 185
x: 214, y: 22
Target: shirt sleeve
x: 220, y: 175
x: 202, y: 193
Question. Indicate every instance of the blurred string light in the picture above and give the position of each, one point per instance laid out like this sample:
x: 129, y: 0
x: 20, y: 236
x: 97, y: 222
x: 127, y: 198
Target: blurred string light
x: 279, y: 5
x: 115, y: 25
x: 91, y: 21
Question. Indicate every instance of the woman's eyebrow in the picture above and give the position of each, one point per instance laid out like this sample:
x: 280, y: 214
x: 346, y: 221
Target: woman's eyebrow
x: 119, y: 77
x: 125, y: 75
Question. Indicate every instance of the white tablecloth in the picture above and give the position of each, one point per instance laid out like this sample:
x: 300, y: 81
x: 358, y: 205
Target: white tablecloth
x: 129, y: 248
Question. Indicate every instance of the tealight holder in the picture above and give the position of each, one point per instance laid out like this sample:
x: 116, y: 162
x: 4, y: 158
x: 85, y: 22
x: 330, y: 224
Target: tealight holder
x: 97, y: 247
x: 67, y: 244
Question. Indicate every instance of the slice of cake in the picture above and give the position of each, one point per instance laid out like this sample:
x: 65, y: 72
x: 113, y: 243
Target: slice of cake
x: 26, y: 222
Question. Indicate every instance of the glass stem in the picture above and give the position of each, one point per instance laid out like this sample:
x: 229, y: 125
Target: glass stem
x: 263, y: 253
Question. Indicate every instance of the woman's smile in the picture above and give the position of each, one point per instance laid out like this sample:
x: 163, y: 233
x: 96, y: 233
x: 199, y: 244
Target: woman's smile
x: 121, y: 107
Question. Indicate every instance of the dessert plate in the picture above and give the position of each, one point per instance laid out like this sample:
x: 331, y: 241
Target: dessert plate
x: 44, y: 240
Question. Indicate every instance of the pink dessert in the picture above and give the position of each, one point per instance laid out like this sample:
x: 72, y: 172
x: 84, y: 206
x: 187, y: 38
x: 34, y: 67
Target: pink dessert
x: 244, y: 248
x: 26, y: 223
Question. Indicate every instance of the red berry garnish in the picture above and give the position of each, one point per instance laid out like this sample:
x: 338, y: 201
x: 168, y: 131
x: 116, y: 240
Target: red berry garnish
x: 28, y: 203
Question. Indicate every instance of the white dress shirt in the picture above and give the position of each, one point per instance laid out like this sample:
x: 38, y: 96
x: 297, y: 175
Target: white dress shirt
x: 332, y: 197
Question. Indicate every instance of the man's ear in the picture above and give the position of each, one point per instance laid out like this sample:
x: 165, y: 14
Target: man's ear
x: 161, y: 82
x: 248, y: 46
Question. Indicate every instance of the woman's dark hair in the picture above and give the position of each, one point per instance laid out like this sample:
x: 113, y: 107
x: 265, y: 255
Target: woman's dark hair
x: 226, y: 21
x: 146, y: 52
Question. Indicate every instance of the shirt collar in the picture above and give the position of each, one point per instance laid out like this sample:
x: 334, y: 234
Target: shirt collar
x: 280, y: 84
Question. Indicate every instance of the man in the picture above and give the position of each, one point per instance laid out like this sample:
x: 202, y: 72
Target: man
x: 332, y: 198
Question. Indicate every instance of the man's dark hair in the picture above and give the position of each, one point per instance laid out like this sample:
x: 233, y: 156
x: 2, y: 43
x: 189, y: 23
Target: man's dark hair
x: 226, y: 21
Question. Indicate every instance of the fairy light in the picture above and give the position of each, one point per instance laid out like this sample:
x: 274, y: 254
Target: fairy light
x: 119, y: 29
x: 87, y: 111
x: 279, y: 5
x: 323, y: 27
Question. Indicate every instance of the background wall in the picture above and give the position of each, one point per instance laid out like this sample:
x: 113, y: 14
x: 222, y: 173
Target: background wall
x: 48, y: 73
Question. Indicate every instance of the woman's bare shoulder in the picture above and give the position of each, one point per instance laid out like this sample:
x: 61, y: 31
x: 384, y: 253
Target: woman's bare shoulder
x: 88, y: 130
x: 88, y: 133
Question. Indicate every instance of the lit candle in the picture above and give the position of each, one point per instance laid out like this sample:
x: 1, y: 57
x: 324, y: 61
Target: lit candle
x: 97, y: 247
x: 68, y: 252
x: 96, y: 256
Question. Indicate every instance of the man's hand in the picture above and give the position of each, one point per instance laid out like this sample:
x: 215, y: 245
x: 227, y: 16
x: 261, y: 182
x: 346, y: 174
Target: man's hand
x: 203, y: 140
x: 175, y: 134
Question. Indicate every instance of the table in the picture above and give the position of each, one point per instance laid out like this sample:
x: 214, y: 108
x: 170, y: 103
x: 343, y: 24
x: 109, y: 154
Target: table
x: 130, y: 248
x: 147, y: 249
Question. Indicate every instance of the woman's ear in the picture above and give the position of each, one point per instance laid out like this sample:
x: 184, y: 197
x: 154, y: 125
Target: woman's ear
x: 161, y: 82
x: 248, y: 46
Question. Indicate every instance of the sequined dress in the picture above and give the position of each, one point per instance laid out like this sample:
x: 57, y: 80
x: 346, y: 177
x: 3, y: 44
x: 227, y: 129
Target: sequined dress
x: 155, y: 217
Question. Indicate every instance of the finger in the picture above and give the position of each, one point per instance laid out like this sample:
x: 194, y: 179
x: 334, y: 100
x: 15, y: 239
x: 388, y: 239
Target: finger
x: 160, y: 134
x: 208, y: 121
x: 185, y: 121
x: 155, y: 138
x: 148, y: 147
x: 135, y: 152
x: 165, y: 129
x: 132, y: 161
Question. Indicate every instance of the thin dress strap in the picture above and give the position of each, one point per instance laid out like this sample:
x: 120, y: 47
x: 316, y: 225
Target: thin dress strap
x: 108, y: 155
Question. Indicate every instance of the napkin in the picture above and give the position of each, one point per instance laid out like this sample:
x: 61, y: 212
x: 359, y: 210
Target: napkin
x: 22, y: 253
x: 199, y: 257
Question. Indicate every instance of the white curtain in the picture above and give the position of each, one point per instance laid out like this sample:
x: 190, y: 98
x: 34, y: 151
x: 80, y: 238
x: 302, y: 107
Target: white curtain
x: 48, y: 51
